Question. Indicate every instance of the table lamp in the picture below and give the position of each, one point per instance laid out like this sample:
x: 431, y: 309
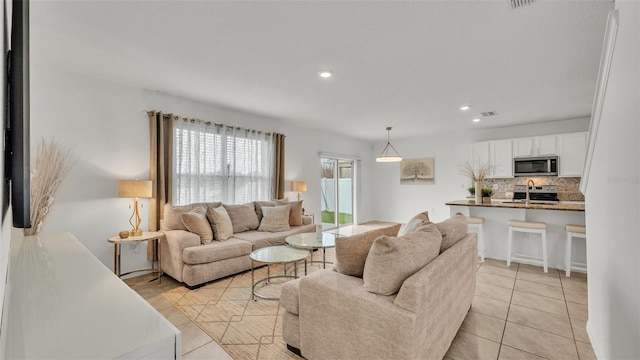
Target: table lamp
x: 135, y: 189
x: 299, y: 186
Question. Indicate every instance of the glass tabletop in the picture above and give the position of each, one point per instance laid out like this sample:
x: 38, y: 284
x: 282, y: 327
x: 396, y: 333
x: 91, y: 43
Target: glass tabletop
x: 279, y: 254
x: 312, y: 240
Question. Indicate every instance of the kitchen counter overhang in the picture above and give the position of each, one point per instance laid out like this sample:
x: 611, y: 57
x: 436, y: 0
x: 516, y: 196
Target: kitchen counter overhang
x: 520, y: 205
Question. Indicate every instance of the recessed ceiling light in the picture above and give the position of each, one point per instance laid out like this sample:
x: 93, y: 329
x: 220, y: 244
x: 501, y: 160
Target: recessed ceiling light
x: 476, y: 120
x: 465, y: 107
x: 325, y: 74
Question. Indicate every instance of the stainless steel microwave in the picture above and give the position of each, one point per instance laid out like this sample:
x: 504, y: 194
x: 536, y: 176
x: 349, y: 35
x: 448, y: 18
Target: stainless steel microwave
x: 535, y: 166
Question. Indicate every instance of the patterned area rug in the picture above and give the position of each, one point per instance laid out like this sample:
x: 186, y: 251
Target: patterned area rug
x: 245, y: 329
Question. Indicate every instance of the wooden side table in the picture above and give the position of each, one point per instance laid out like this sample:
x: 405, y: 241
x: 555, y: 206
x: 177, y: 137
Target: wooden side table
x: 151, y: 236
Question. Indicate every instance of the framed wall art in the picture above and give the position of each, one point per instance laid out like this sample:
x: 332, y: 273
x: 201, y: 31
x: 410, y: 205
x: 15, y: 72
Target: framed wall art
x: 417, y: 171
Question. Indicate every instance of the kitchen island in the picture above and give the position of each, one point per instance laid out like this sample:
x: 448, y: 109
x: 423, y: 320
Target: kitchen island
x: 496, y: 231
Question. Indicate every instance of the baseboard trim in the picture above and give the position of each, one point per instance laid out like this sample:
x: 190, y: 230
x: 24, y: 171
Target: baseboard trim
x: 294, y: 350
x: 595, y: 344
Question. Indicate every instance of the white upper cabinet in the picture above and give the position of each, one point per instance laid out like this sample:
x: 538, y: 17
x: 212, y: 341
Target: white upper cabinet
x: 522, y: 147
x: 534, y: 146
x: 497, y: 154
x: 571, y: 152
x: 480, y: 153
x: 545, y: 145
x: 501, y: 158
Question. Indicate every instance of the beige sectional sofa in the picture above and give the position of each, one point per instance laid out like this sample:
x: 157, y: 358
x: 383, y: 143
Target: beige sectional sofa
x: 332, y: 315
x: 189, y: 255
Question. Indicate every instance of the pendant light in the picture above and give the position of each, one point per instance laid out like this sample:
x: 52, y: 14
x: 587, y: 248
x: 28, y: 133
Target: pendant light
x: 385, y: 156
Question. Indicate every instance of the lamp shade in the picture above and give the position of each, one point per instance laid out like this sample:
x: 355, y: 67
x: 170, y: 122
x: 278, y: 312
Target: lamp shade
x: 135, y: 188
x: 389, y: 153
x: 299, y: 186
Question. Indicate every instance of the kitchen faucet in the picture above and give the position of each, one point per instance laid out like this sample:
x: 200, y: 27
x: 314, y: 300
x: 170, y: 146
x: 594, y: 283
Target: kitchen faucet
x: 528, y: 199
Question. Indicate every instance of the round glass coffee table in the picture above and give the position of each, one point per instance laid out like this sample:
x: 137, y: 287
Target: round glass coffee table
x: 276, y: 255
x: 312, y: 241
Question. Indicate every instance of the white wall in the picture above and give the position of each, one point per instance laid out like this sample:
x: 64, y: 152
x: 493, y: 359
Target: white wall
x: 109, y: 132
x: 612, y: 202
x: 395, y: 202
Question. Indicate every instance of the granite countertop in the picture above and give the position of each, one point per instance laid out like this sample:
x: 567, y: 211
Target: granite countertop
x: 573, y: 206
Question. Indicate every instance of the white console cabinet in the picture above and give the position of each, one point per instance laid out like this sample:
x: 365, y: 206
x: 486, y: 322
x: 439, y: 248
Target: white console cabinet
x: 62, y: 303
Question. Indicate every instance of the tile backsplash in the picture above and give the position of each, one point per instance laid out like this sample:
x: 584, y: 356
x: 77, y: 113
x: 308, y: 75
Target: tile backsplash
x: 568, y: 187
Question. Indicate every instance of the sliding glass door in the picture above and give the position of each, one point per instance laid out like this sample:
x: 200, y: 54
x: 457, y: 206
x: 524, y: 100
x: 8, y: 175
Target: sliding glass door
x: 337, y: 190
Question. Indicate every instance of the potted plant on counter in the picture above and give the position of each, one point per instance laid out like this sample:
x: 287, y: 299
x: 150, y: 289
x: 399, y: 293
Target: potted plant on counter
x: 486, y: 196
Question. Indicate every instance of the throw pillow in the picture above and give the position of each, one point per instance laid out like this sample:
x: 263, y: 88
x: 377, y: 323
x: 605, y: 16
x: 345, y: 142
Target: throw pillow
x: 243, y: 217
x: 172, y: 215
x: 275, y: 218
x: 351, y: 251
x: 295, y: 216
x: 260, y: 204
x: 411, y: 226
x: 392, y: 260
x: 220, y: 222
x: 452, y: 230
x: 196, y: 222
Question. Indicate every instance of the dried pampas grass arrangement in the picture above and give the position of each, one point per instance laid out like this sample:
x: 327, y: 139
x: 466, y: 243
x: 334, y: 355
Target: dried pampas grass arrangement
x: 53, y: 162
x: 475, y: 171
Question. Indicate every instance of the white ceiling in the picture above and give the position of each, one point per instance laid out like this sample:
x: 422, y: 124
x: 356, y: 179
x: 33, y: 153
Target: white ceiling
x: 409, y: 65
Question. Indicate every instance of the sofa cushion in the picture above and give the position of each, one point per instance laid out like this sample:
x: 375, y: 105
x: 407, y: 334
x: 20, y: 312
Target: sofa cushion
x: 243, y: 217
x: 392, y: 260
x: 452, y: 230
x: 220, y: 223
x: 289, y: 296
x: 216, y: 251
x: 295, y: 216
x: 352, y: 251
x: 411, y: 226
x: 260, y: 239
x: 196, y: 222
x: 275, y: 218
x: 260, y: 204
x: 172, y: 215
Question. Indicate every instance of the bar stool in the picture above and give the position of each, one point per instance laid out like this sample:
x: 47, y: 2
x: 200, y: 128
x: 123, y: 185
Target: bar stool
x: 578, y: 231
x: 475, y: 223
x: 528, y: 227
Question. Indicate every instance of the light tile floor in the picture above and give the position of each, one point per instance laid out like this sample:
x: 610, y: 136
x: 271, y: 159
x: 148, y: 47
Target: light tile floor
x: 519, y: 312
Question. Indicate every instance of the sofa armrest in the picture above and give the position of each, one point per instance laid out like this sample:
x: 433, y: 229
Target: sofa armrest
x: 171, y: 249
x: 442, y: 276
x: 340, y: 319
x: 441, y: 294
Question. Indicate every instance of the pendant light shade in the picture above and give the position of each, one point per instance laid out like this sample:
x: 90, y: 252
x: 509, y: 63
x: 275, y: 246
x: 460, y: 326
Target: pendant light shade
x: 389, y: 153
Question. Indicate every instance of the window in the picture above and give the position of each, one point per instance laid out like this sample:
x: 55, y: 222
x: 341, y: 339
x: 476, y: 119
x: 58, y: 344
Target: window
x: 214, y: 162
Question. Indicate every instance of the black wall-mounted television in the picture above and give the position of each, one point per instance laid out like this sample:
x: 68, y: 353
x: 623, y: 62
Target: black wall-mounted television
x: 17, y: 134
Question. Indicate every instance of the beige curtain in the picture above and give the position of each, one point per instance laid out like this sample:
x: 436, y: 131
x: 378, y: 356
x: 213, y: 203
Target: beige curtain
x: 161, y: 126
x: 278, y: 165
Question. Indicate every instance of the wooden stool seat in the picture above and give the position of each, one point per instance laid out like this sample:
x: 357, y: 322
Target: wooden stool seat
x: 578, y: 229
x: 475, y: 220
x: 527, y: 224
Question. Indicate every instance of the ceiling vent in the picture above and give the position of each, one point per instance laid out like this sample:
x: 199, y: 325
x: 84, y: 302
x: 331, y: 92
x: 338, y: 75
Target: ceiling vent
x: 514, y: 4
x: 489, y: 113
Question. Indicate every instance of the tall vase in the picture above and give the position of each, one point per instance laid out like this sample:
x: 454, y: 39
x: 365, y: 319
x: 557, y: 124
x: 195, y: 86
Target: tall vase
x: 479, y: 192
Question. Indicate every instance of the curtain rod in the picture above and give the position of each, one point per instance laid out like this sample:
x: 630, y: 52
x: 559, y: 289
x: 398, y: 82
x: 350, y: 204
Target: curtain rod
x: 176, y: 117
